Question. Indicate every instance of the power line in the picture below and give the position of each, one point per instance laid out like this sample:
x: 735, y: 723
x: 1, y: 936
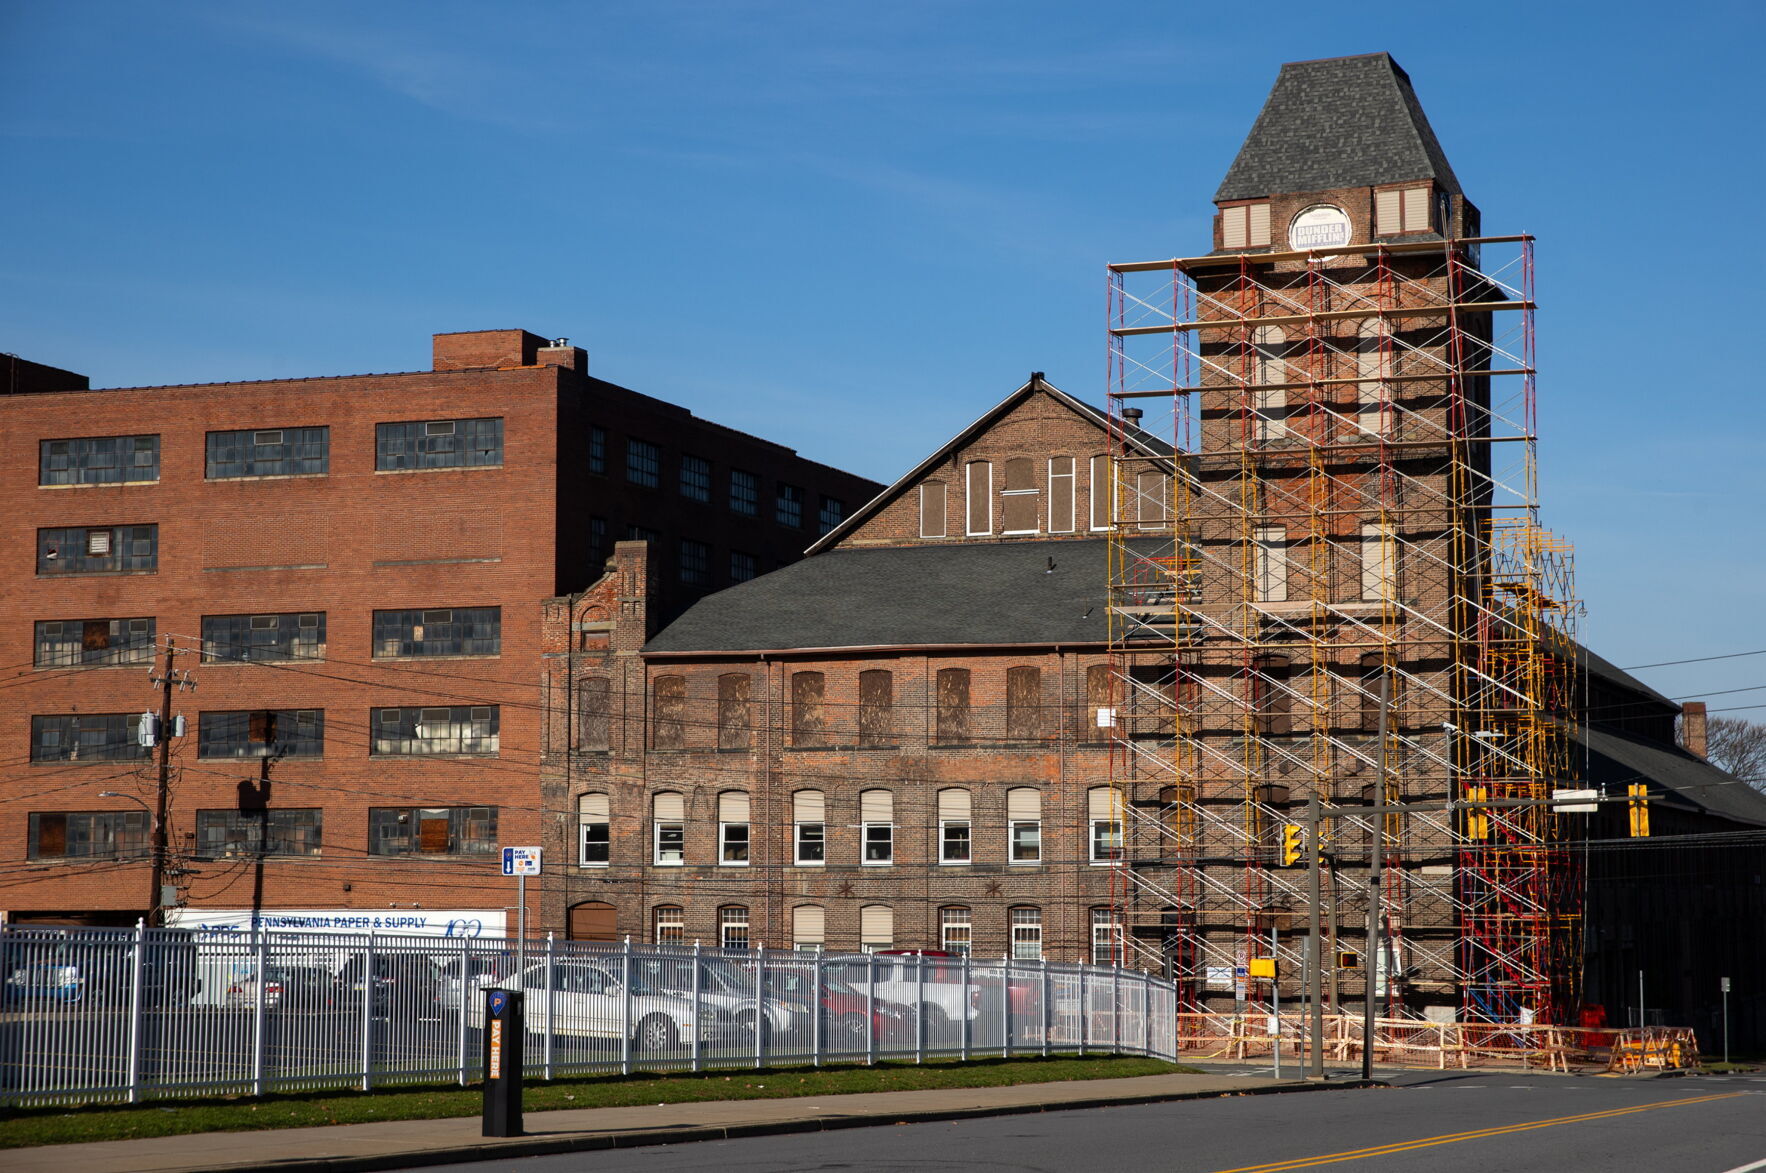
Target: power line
x: 1695, y: 660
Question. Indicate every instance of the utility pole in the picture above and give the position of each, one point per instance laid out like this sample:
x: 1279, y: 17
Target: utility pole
x: 168, y: 680
x: 1376, y: 841
x: 1314, y: 935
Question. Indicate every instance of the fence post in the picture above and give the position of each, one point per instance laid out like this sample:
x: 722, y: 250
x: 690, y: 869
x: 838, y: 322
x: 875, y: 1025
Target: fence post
x: 1116, y: 1009
x: 1084, y: 1009
x: 920, y: 1008
x: 1005, y: 1006
x: 1146, y: 1014
x: 625, y: 1009
x: 551, y: 996
x: 466, y: 1001
x: 816, y: 1012
x: 871, y: 1009
x: 368, y: 1012
x: 1045, y: 1004
x: 261, y: 970
x: 697, y: 1008
x: 759, y: 1007
x: 969, y: 993
x: 135, y: 1023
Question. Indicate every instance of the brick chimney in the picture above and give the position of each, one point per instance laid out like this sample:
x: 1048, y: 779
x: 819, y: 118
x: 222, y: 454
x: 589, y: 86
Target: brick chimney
x: 1692, y: 727
x: 482, y: 349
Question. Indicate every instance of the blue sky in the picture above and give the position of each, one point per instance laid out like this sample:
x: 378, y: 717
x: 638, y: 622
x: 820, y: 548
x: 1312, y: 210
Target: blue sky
x: 853, y: 227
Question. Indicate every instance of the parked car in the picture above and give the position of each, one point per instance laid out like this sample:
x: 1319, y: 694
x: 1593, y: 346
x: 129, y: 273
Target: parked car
x: 48, y: 966
x: 482, y: 973
x: 287, y: 987
x: 931, y: 979
x: 729, y: 986
x: 843, y: 1007
x: 407, y: 980
x: 589, y: 1001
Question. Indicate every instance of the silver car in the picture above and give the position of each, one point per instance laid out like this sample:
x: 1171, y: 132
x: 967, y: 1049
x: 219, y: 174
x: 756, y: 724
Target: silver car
x: 586, y: 1000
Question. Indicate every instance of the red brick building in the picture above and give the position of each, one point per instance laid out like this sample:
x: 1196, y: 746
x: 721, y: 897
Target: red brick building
x: 351, y: 571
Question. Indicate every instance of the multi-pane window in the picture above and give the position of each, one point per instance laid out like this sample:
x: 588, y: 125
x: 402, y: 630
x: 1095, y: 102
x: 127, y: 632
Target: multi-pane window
x: 104, y: 549
x: 668, y: 829
x: 954, y: 835
x: 261, y: 733
x: 953, y: 707
x: 668, y: 924
x: 438, y: 444
x: 599, y: 548
x: 1024, y: 824
x: 643, y: 463
x: 956, y: 930
x: 642, y: 533
x: 695, y: 562
x: 743, y: 566
x: 98, y: 460
x: 594, y: 829
x: 456, y: 729
x: 293, y: 635
x: 91, y: 643
x: 744, y: 492
x: 788, y: 506
x: 87, y: 834
x: 876, y: 812
x: 87, y: 737
x: 598, y: 450
x: 269, y: 452
x: 295, y: 831
x: 876, y: 927
x: 732, y: 926
x: 876, y: 708
x: 1106, y: 937
x: 696, y: 478
x: 1018, y: 500
x: 1103, y: 813
x: 732, y: 828
x: 449, y: 631
x: 1026, y: 930
x: 594, y: 729
x: 437, y: 830
x: 809, y: 828
x: 735, y: 715
x: 668, y: 712
x: 832, y: 514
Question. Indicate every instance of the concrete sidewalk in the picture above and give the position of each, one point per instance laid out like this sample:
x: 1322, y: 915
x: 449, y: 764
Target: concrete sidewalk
x: 405, y: 1144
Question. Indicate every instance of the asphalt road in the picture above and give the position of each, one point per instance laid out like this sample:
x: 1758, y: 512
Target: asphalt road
x: 1439, y: 1122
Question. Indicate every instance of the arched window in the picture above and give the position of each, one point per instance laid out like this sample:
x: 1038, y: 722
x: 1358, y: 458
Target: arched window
x: 735, y: 715
x: 1025, y: 923
x: 808, y: 725
x: 956, y: 929
x: 876, y: 927
x: 1104, y: 814
x: 732, y: 828
x: 877, y: 826
x: 1024, y: 825
x: 732, y: 926
x: 932, y: 509
x: 594, y: 830
x: 978, y: 481
x: 809, y: 820
x: 592, y: 920
x: 1023, y: 703
x: 594, y: 731
x: 668, y: 828
x: 809, y: 927
x: 955, y: 837
x: 876, y: 708
x: 1106, y: 937
x: 953, y: 707
x: 668, y: 925
x: 1018, y: 498
x: 668, y: 716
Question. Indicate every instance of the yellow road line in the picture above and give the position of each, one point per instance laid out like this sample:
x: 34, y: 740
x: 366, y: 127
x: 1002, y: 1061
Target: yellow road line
x: 1477, y: 1134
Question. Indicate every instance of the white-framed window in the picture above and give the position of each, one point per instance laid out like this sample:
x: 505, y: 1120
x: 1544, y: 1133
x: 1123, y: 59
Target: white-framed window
x: 876, y: 927
x: 809, y: 927
x: 1024, y: 825
x: 1244, y: 226
x: 1400, y: 210
x: 1103, y: 501
x: 1106, y: 937
x: 877, y: 827
x: 668, y: 924
x: 732, y: 926
x: 1270, y: 564
x: 732, y: 829
x: 954, y: 835
x: 1062, y: 495
x: 668, y: 823
x: 593, y: 831
x: 1379, y: 563
x: 1104, y: 814
x: 809, y: 828
x: 978, y: 485
x: 1018, y: 500
x: 1026, y: 931
x: 932, y: 509
x: 1152, y: 494
x: 956, y: 929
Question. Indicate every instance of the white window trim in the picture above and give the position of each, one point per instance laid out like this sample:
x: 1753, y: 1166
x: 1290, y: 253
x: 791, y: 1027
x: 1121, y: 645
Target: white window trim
x: 969, y: 824
x: 1012, y: 826
x: 1072, y: 494
x: 969, y: 499
x: 723, y: 841
x: 797, y: 846
x: 864, y: 845
x: 1012, y: 927
x: 582, y: 847
x: 1269, y: 566
x: 656, y: 828
x: 1091, y: 504
x: 1098, y: 861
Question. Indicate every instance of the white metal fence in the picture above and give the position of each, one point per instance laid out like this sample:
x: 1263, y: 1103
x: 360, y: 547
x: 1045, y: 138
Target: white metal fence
x: 133, y: 1014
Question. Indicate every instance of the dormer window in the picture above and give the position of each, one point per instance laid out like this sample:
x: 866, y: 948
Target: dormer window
x: 1399, y: 210
x: 1244, y: 226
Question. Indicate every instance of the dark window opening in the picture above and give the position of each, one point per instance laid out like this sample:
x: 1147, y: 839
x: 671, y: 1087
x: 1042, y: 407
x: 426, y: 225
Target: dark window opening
x: 98, y: 460
x: 296, y: 635
x: 456, y: 830
x: 98, y: 550
x: 269, y: 452
x: 416, y: 732
x: 262, y: 733
x: 91, y: 643
x: 438, y: 444
x: 449, y: 631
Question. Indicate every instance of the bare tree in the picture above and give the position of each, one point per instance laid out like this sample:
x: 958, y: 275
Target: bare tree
x: 1738, y: 746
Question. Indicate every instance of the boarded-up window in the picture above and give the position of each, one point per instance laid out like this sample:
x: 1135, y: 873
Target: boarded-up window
x: 1373, y: 414
x: 1416, y: 209
x: 1270, y: 564
x: 1269, y: 404
x: 594, y: 730
x: 51, y: 834
x: 809, y: 727
x: 734, y: 710
x: 1018, y: 498
x: 1102, y: 500
x: 1399, y: 210
x: 1244, y: 226
x: 932, y: 509
x: 1098, y: 704
x: 1272, y: 700
x: 1023, y: 703
x: 669, y: 712
x: 593, y: 921
x: 876, y: 708
x: 809, y: 926
x: 1061, y: 495
x: 1151, y: 493
x: 1257, y: 225
x: 432, y: 832
x: 1379, y: 563
x: 953, y: 707
x: 978, y: 477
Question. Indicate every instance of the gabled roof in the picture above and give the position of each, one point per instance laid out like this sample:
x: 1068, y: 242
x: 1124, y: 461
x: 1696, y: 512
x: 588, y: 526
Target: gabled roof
x: 1339, y: 122
x: 1144, y: 441
x: 1615, y: 759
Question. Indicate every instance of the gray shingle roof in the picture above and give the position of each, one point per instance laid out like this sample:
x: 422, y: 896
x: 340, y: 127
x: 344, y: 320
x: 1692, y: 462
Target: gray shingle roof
x: 1341, y: 122
x: 1615, y: 759
x: 959, y: 593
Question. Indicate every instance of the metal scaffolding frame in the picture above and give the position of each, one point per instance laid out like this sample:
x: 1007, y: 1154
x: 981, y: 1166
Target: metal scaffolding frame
x: 1325, y: 479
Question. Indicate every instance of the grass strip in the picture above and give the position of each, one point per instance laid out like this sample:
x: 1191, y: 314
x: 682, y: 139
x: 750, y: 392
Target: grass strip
x: 22, y: 1127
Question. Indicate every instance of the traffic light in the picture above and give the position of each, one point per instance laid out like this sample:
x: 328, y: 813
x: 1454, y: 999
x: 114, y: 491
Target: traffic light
x: 1348, y: 960
x: 1293, y: 836
x: 1639, y: 807
x: 1477, y: 817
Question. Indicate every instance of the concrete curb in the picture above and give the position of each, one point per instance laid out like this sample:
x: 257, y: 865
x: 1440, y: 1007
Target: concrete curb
x: 541, y: 1146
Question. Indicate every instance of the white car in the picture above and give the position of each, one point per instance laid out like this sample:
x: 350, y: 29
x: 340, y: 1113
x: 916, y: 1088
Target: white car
x: 588, y: 1001
x: 727, y: 985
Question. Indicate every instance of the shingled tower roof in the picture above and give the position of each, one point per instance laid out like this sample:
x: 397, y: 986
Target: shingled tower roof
x: 1339, y: 122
